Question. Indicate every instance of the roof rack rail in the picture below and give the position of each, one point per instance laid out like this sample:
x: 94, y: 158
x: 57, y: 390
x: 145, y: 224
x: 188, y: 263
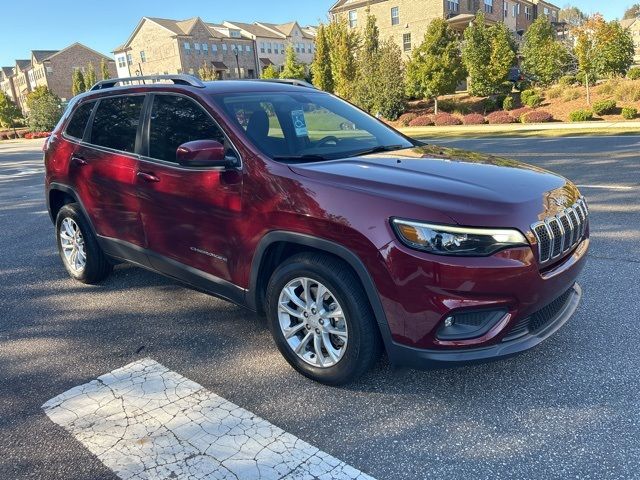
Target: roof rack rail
x: 290, y: 81
x: 176, y: 79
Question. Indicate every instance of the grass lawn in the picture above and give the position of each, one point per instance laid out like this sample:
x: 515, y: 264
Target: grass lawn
x: 532, y: 131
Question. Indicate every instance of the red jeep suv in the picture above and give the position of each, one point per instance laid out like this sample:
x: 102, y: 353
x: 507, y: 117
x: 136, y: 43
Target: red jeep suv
x: 351, y: 237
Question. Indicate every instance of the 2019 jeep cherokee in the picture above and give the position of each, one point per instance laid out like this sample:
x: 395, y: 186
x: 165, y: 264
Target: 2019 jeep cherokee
x: 351, y: 237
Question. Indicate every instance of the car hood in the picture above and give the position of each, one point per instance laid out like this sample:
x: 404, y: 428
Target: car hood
x: 471, y: 188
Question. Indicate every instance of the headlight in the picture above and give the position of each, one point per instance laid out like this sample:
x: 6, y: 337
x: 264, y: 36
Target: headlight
x: 461, y: 241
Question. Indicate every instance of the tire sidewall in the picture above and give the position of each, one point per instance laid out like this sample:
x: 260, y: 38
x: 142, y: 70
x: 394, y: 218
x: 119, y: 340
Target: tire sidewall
x: 348, y: 364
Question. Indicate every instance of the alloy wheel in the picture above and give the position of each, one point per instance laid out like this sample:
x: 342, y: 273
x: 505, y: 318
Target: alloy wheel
x: 73, y: 246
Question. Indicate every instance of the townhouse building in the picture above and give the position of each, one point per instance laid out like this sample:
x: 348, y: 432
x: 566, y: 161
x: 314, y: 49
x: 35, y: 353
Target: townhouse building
x: 633, y: 25
x: 160, y: 46
x: 271, y: 41
x: 406, y: 21
x: 52, y: 69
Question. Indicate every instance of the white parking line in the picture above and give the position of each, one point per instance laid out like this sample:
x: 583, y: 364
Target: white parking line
x: 608, y: 187
x: 145, y: 421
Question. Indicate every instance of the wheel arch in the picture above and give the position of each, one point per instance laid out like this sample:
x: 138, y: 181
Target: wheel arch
x: 276, y: 246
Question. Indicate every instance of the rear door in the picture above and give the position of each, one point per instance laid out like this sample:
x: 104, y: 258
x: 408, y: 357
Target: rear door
x: 104, y: 170
x: 190, y: 215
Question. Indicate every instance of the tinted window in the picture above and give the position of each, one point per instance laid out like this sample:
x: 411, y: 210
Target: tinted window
x: 116, y: 122
x: 78, y: 122
x: 176, y: 120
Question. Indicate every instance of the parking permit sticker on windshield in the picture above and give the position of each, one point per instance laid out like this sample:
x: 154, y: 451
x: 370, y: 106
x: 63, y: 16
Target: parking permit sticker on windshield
x: 299, y: 123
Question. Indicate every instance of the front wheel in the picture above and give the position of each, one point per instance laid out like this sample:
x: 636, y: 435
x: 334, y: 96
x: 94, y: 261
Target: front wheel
x: 321, y: 320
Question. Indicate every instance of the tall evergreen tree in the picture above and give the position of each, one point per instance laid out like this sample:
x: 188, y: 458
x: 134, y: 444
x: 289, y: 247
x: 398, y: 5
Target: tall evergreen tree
x: 292, y: 68
x: 503, y: 55
x: 344, y: 44
x: 270, y: 73
x: 206, y: 72
x: 436, y: 66
x: 104, y: 70
x: 544, y: 57
x: 90, y: 78
x: 78, y: 86
x: 321, y: 67
x: 390, y: 88
x: 368, y: 66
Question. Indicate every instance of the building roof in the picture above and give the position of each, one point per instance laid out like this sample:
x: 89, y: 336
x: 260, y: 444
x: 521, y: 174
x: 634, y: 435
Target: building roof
x: 627, y: 22
x: 285, y: 28
x: 23, y: 64
x: 255, y: 29
x: 8, y: 71
x: 42, y: 55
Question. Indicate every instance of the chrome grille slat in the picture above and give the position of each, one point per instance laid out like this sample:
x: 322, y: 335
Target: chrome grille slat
x: 558, y: 234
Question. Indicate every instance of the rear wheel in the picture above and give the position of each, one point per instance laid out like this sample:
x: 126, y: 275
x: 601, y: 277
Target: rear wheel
x: 78, y: 247
x: 321, y: 320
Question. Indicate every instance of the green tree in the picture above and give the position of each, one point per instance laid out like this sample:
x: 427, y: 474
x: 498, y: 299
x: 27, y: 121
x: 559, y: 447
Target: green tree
x: 488, y: 53
x: 367, y: 81
x: 292, y: 68
x: 77, y: 83
x: 390, y: 90
x: 321, y: 66
x: 615, y: 49
x: 45, y: 110
x: 572, y: 15
x: 544, y: 57
x: 436, y: 66
x: 206, y: 72
x: 344, y: 43
x: 90, y: 78
x: 632, y: 12
x: 270, y: 73
x: 104, y: 70
x: 9, y: 112
x: 585, y: 51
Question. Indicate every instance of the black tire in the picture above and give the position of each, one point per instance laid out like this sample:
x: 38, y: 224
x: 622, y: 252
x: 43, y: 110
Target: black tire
x: 97, y: 266
x: 364, y: 344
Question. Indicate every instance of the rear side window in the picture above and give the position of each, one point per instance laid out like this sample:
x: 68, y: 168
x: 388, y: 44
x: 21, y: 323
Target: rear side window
x: 176, y: 120
x: 78, y: 122
x: 116, y: 121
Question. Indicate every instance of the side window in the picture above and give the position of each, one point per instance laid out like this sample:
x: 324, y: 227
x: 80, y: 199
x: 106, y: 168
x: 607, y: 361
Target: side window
x: 176, y: 120
x: 76, y: 126
x: 116, y: 121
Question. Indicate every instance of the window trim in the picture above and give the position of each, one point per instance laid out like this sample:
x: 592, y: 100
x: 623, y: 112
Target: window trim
x: 396, y: 17
x: 146, y: 133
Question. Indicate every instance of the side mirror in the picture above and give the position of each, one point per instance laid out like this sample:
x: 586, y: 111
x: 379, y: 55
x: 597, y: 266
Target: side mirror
x: 203, y: 153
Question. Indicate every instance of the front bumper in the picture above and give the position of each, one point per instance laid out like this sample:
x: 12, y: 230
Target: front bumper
x: 424, y: 358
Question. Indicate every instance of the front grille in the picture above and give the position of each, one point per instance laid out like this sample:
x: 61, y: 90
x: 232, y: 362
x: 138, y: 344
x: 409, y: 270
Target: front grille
x: 539, y: 319
x: 559, y: 234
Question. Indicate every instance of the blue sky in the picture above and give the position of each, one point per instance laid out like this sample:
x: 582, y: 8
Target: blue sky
x: 105, y: 25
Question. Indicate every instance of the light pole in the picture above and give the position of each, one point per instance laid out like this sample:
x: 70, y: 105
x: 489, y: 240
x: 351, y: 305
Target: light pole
x: 235, y: 52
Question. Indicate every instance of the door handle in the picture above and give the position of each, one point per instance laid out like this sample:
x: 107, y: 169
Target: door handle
x: 148, y: 177
x: 78, y: 161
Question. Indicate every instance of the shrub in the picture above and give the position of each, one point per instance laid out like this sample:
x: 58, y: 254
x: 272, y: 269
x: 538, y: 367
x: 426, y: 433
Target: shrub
x: 500, y: 117
x: 421, y: 121
x: 628, y: 91
x: 580, y: 77
x: 473, y: 119
x: 629, y: 112
x: 567, y: 80
x: 525, y: 94
x: 604, y: 106
x: 581, y: 115
x: 448, y: 105
x: 634, y: 73
x: 31, y: 135
x: 533, y: 101
x: 406, y: 118
x: 571, y: 94
x: 536, y: 116
x: 489, y: 104
x: 443, y: 119
x: 555, y: 92
x: 608, y: 87
x: 507, y: 103
x: 518, y: 112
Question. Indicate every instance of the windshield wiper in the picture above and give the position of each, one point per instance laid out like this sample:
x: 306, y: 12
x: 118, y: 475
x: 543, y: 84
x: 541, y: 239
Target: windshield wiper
x: 300, y: 158
x: 378, y: 149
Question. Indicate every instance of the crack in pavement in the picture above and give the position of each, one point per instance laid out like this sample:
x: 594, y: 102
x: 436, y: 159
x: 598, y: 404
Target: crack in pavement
x: 145, y: 421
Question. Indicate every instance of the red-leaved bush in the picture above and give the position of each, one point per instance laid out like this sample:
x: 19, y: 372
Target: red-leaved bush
x: 537, y: 116
x: 421, y: 121
x: 406, y: 118
x: 500, y: 117
x: 444, y: 119
x: 31, y: 135
x: 473, y: 119
x: 518, y: 112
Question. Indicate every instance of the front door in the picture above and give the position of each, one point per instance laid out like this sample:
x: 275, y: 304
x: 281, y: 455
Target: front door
x: 190, y: 215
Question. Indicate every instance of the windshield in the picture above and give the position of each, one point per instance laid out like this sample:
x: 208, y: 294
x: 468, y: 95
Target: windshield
x: 309, y: 126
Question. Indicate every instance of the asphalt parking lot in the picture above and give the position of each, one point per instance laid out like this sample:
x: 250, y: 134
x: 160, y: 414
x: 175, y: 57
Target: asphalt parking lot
x: 569, y: 408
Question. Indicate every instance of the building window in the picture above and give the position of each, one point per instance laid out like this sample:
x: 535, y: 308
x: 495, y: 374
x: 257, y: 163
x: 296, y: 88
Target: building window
x: 488, y: 6
x: 516, y: 9
x: 546, y: 11
x: 187, y: 48
x: 282, y: 49
x: 129, y: 59
x: 224, y: 47
x: 236, y: 34
x: 205, y: 48
x: 50, y: 70
x: 122, y: 62
x: 247, y: 48
x: 269, y: 47
x: 453, y: 5
x: 143, y: 57
x: 406, y: 42
x: 527, y: 12
x: 310, y: 48
x: 262, y: 47
x: 353, y: 18
x: 395, y: 16
x: 506, y: 9
x: 197, y: 48
x: 214, y: 47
